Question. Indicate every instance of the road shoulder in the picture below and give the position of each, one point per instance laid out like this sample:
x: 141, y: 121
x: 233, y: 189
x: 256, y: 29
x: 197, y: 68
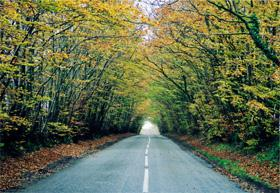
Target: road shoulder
x: 245, y: 183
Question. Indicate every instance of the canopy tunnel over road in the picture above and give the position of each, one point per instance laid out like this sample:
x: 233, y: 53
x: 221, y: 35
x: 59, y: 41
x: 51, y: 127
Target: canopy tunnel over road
x: 149, y: 128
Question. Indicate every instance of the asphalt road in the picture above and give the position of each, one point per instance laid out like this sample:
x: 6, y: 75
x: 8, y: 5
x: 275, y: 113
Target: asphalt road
x: 137, y: 164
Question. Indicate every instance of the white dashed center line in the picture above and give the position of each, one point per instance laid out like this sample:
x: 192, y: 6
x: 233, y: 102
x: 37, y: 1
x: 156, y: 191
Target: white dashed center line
x: 146, y: 152
x: 146, y: 181
x: 146, y: 162
x: 146, y: 169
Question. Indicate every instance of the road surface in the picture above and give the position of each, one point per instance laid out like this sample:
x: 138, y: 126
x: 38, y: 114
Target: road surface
x: 137, y: 164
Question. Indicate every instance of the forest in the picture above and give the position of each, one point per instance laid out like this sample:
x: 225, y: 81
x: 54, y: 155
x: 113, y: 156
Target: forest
x: 218, y: 63
x: 76, y: 70
x: 67, y: 71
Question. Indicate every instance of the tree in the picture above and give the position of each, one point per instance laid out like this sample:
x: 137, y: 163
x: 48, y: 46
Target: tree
x: 220, y: 58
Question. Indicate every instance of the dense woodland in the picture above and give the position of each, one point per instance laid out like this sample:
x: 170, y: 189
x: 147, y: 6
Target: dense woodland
x: 219, y: 70
x: 73, y: 70
x: 66, y: 71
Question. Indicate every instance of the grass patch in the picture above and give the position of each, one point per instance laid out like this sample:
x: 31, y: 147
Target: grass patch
x: 270, y: 154
x: 224, y: 147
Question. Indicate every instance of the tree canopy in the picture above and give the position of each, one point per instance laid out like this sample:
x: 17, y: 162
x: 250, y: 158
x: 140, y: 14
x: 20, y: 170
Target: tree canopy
x: 72, y: 70
x: 67, y: 70
x: 218, y: 69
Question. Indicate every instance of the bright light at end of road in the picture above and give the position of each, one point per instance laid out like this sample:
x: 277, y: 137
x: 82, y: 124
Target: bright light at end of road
x: 149, y: 128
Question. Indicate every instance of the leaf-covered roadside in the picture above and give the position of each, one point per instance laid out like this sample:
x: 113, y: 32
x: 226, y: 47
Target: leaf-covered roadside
x: 13, y: 171
x: 217, y: 76
x: 251, y: 168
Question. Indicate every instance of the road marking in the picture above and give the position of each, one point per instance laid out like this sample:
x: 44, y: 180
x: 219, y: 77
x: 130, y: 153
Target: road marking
x: 146, y: 170
x: 146, y: 162
x: 149, y: 141
x: 146, y: 181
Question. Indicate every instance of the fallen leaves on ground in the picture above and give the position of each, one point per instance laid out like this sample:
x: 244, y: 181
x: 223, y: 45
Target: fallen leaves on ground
x: 264, y: 170
x: 12, y: 170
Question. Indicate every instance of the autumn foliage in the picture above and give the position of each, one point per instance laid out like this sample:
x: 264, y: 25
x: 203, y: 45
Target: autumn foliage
x: 72, y: 70
x: 217, y: 70
x: 65, y: 71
